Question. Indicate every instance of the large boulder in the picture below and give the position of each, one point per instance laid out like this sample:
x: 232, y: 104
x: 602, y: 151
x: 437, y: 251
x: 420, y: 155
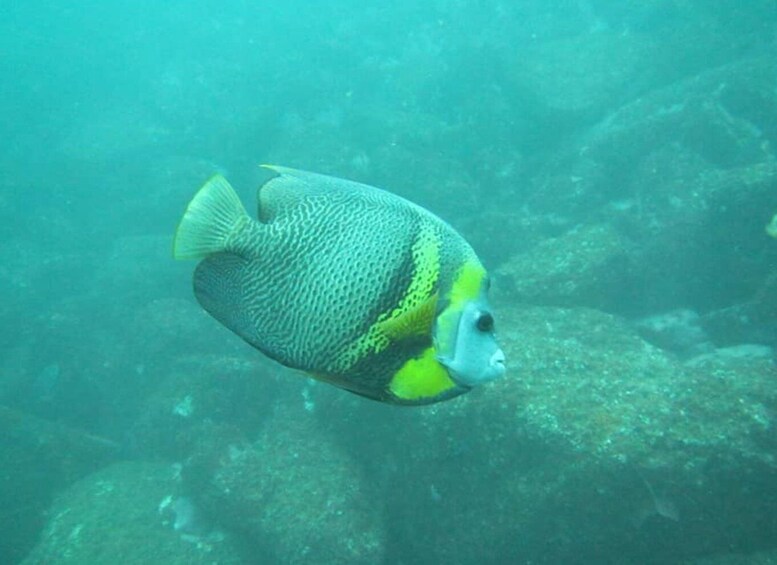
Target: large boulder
x: 204, y: 398
x: 687, y: 175
x: 596, y: 447
x: 39, y: 458
x: 294, y: 494
x: 589, y: 266
x: 126, y: 513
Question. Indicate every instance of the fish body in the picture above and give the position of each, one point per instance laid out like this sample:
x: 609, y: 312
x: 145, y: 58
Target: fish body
x: 346, y: 282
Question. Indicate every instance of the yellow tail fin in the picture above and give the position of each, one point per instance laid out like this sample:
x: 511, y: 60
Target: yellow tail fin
x: 771, y: 228
x: 213, y: 214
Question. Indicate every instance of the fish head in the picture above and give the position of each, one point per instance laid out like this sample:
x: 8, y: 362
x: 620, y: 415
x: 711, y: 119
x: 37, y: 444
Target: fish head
x: 466, y: 344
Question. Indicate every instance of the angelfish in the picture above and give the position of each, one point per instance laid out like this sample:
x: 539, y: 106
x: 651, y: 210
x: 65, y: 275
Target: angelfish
x: 351, y: 284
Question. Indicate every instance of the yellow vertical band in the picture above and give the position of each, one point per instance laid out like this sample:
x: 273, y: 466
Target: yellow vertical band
x: 421, y: 377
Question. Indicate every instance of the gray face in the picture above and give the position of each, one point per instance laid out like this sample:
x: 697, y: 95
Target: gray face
x: 475, y: 358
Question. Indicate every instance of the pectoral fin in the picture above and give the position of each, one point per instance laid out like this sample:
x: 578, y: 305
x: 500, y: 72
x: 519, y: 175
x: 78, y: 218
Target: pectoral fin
x: 411, y: 323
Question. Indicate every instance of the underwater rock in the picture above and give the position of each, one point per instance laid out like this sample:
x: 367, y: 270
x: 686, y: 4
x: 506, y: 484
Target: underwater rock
x: 752, y: 321
x: 119, y: 515
x: 140, y: 270
x: 294, y: 494
x: 582, y: 75
x: 686, y: 173
x: 679, y: 331
x: 615, y: 53
x: 595, y: 447
x: 610, y: 393
x: 204, y: 398
x: 724, y: 115
x: 651, y: 155
x: 711, y: 255
x: 167, y: 325
x: 734, y: 356
x: 588, y: 266
x: 168, y: 349
x: 701, y: 435
x: 39, y: 458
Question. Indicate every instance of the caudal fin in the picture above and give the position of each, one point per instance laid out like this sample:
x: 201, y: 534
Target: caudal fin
x: 212, y: 215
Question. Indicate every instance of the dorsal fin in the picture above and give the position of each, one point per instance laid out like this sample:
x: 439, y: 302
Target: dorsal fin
x: 285, y: 191
x: 292, y: 186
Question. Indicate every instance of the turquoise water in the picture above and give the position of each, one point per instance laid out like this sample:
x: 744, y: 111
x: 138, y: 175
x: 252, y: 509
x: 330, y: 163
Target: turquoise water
x: 613, y: 164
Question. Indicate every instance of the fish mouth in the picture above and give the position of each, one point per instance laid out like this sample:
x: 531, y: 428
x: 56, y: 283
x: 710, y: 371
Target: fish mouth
x: 494, y: 369
x: 497, y: 363
x: 487, y: 370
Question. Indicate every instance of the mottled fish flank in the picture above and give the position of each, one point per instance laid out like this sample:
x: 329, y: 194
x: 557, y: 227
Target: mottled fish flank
x: 349, y: 283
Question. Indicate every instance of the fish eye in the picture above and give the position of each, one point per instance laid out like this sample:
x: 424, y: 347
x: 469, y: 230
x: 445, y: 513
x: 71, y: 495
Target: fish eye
x: 485, y: 322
